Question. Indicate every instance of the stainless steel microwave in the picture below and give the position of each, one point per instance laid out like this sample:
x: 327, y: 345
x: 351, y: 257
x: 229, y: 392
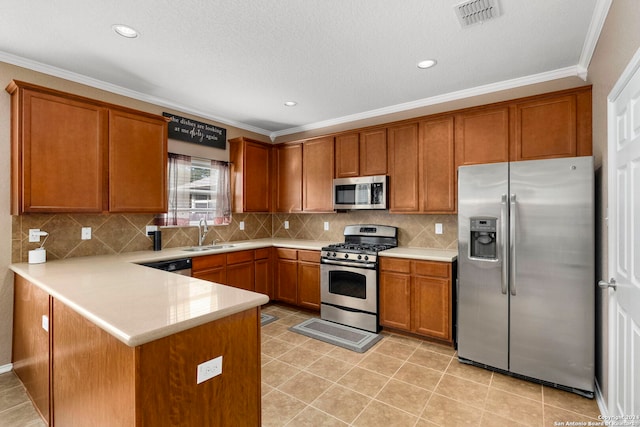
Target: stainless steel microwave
x: 365, y: 192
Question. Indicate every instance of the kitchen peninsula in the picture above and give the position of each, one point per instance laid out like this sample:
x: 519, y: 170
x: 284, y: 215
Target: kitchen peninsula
x: 102, y: 340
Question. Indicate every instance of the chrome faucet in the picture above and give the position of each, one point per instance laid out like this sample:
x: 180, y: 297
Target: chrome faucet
x: 202, y: 231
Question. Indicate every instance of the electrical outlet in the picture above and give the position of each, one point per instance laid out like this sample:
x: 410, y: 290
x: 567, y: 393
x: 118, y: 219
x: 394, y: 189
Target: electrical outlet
x: 150, y: 228
x: 438, y: 228
x: 209, y: 369
x: 286, y: 225
x: 86, y: 233
x: 326, y: 226
x: 34, y: 235
x: 241, y: 225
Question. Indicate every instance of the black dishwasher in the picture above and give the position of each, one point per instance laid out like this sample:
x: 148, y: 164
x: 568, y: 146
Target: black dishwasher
x: 179, y: 266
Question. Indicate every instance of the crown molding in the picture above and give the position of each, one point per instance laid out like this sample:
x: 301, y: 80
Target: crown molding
x: 572, y: 71
x: 109, y: 87
x: 593, y: 34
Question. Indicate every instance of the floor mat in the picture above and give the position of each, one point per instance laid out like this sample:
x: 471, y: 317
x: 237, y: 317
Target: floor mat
x: 337, y: 334
x: 265, y: 319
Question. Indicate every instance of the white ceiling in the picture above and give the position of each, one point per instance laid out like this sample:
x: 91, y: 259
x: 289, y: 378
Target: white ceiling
x: 237, y: 61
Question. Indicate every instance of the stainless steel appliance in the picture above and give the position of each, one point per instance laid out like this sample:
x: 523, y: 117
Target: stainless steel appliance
x: 366, y: 192
x: 179, y: 266
x: 349, y: 275
x: 526, y: 270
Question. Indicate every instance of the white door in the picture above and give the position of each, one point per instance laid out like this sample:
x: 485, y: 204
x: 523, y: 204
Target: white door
x: 624, y: 243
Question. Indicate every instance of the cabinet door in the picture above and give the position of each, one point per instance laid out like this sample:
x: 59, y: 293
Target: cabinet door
x: 241, y: 276
x: 395, y: 300
x: 289, y: 178
x: 437, y: 166
x: 403, y: 168
x: 347, y: 155
x: 432, y: 307
x: 482, y: 136
x: 545, y: 128
x: 210, y: 267
x: 317, y: 172
x: 373, y: 152
x: 31, y: 342
x: 287, y: 280
x: 256, y: 178
x: 263, y: 277
x: 309, y: 285
x: 137, y: 163
x: 59, y: 154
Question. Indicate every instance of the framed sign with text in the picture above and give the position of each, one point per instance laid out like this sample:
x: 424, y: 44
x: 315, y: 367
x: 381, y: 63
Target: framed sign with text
x: 196, y: 132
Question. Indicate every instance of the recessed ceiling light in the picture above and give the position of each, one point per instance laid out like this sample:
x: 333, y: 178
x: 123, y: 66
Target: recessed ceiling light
x: 125, y: 31
x: 427, y: 63
x: 290, y: 103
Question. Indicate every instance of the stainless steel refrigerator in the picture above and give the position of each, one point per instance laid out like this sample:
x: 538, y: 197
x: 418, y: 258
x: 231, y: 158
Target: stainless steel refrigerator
x: 526, y: 270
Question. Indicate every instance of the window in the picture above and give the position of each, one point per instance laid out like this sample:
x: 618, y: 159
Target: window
x: 198, y: 189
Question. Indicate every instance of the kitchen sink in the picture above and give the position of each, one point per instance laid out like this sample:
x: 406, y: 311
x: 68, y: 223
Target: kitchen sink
x: 220, y: 246
x: 207, y: 248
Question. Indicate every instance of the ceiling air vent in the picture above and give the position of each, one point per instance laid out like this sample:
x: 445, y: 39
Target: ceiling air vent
x: 477, y: 11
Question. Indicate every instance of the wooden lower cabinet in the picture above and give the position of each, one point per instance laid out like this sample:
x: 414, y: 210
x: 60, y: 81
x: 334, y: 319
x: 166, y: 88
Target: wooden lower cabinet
x: 309, y: 279
x: 298, y: 277
x: 240, y: 270
x: 416, y: 296
x: 263, y: 269
x: 287, y: 275
x: 210, y: 267
x: 395, y: 299
x: 250, y: 270
x: 31, y: 344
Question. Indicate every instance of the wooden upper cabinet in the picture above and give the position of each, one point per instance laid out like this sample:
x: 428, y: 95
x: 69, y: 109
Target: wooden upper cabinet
x: 75, y: 154
x: 347, y: 155
x: 137, y: 162
x: 558, y: 126
x: 373, y: 152
x: 403, y: 168
x: 361, y: 154
x: 482, y: 136
x: 289, y: 178
x: 317, y: 172
x: 437, y: 166
x: 59, y: 152
x: 250, y: 183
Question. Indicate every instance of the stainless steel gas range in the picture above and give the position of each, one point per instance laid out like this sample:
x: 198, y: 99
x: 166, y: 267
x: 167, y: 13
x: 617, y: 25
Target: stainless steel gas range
x: 349, y: 275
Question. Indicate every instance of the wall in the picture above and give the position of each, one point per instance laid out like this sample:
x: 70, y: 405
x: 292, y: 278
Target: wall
x: 618, y: 42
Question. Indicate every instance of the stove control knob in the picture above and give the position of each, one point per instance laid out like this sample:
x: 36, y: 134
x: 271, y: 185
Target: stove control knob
x: 346, y: 256
x: 366, y: 257
x: 359, y: 256
x: 334, y: 254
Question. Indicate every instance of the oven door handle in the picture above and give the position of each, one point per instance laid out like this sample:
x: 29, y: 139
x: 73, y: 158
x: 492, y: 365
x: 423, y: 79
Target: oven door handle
x: 349, y: 264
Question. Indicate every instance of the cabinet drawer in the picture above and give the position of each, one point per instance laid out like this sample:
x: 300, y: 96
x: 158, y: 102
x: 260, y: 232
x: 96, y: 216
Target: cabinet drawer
x: 287, y: 253
x: 208, y: 261
x: 429, y: 268
x: 262, y: 253
x: 395, y: 264
x: 238, y: 257
x: 309, y: 256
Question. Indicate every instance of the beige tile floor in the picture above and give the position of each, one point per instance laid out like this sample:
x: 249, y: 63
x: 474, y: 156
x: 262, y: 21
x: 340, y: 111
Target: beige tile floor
x: 401, y: 381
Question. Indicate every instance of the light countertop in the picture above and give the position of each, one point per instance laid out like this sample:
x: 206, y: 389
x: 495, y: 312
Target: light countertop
x: 137, y: 304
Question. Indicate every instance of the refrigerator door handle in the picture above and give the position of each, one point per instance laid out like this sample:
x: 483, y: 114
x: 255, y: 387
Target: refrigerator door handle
x: 512, y: 245
x: 504, y: 214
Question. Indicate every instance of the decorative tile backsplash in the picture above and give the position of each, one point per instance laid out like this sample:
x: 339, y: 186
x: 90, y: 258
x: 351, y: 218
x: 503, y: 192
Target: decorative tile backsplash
x: 119, y: 233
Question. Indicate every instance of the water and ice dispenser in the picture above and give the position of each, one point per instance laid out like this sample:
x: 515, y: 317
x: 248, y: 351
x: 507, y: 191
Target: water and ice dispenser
x: 483, y: 238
